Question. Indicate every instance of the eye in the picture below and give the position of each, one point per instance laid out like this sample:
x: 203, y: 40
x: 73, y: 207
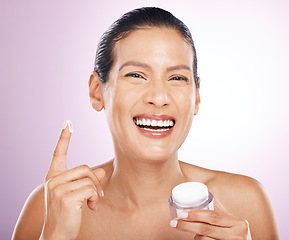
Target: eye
x: 134, y: 75
x: 179, y: 78
x: 135, y: 78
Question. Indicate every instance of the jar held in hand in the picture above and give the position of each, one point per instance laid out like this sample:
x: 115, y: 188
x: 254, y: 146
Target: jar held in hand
x: 190, y: 195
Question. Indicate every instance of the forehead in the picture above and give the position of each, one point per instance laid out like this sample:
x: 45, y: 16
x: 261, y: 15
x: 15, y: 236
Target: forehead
x: 154, y: 46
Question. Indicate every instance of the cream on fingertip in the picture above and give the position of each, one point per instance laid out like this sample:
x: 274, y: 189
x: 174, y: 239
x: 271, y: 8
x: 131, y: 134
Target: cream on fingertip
x: 69, y: 124
x: 173, y: 223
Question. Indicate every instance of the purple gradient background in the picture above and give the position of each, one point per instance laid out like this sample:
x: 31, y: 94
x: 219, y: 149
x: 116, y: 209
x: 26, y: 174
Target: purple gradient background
x: 47, y: 54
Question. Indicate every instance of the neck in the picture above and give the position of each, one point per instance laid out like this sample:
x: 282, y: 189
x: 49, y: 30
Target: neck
x: 139, y: 183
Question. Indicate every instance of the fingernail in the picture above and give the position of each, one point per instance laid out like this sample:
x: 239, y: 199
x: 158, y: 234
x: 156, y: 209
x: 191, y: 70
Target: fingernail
x: 184, y: 214
x: 174, y: 223
x: 102, y: 193
x: 69, y: 124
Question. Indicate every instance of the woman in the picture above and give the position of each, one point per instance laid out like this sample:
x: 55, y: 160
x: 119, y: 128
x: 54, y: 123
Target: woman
x: 145, y: 78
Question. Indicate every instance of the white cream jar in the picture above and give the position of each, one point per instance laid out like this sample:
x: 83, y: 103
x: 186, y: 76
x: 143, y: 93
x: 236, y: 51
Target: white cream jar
x: 190, y: 195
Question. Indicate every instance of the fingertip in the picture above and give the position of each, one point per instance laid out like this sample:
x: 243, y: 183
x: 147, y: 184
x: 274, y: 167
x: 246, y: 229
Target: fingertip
x: 68, y: 124
x: 174, y: 223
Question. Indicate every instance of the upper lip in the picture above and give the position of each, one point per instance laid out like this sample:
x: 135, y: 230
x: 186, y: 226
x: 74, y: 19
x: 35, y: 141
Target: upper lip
x: 154, y: 116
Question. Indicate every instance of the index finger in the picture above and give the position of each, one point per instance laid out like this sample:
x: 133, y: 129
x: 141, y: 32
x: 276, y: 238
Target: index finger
x: 58, y: 163
x: 213, y: 218
x: 219, y: 217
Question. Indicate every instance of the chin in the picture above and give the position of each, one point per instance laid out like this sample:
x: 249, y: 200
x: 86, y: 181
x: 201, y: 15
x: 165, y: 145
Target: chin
x: 156, y: 155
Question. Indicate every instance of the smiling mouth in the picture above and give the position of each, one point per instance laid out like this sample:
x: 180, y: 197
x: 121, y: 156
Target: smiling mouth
x: 154, y: 125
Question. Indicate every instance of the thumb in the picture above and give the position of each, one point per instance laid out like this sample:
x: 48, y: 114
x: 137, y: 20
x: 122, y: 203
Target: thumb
x: 99, y: 173
x: 58, y: 162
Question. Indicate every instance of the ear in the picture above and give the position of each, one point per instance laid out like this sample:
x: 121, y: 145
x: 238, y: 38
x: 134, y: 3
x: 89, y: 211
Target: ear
x: 198, y: 98
x: 95, y: 93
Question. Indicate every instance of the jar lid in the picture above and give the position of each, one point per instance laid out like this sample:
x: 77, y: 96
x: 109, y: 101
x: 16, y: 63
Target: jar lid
x: 190, y: 194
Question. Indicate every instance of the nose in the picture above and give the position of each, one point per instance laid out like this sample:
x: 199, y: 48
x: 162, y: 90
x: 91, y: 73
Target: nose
x: 157, y: 95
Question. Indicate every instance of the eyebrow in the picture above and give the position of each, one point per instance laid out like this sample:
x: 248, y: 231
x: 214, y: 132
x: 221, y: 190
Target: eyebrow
x: 179, y: 67
x: 144, y: 65
x: 136, y: 64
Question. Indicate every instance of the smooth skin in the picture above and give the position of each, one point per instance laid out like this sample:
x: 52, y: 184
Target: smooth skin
x: 153, y: 75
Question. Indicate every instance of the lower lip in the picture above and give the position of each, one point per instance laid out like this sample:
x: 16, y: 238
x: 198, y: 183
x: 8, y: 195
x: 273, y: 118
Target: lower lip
x: 155, y: 134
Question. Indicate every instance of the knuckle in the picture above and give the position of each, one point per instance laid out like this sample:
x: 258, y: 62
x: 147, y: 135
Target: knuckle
x: 214, y: 217
x: 85, y: 168
x: 66, y: 201
x: 57, y: 193
x: 54, y: 153
x: 205, y: 229
x: 58, y: 152
x: 49, y: 184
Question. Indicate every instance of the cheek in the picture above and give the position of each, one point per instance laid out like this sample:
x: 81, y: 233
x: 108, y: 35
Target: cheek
x: 125, y: 98
x: 185, y: 100
x: 119, y: 105
x: 110, y: 103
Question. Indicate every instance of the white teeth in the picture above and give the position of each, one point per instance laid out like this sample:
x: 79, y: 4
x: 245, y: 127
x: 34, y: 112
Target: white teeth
x: 154, y: 123
x: 148, y: 122
x: 166, y: 123
x: 157, y: 130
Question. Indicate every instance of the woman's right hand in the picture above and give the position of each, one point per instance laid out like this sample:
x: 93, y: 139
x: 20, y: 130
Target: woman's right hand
x: 66, y: 191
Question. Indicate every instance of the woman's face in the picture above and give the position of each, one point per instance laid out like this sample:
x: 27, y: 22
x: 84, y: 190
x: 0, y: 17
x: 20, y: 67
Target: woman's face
x: 150, y: 95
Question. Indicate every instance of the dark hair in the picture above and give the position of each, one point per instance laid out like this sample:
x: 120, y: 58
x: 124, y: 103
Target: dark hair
x: 136, y: 19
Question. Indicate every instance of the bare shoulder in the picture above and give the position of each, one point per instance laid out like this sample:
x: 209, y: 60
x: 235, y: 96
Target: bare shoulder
x: 238, y: 193
x: 30, y: 221
x: 241, y: 196
x: 229, y: 188
x: 245, y: 197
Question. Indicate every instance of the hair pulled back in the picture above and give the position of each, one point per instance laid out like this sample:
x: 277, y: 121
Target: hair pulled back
x: 133, y: 20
